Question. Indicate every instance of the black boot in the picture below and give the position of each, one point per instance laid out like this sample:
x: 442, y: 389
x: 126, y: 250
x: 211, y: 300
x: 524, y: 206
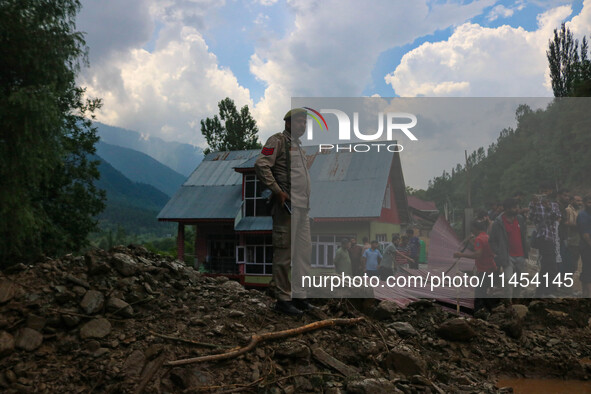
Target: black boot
x: 287, y: 308
x: 303, y: 304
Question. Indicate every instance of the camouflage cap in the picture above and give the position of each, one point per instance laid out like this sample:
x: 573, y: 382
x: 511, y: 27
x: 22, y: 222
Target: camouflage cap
x: 294, y: 112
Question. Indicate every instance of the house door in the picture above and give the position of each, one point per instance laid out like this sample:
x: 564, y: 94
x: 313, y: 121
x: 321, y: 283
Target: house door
x: 221, y: 254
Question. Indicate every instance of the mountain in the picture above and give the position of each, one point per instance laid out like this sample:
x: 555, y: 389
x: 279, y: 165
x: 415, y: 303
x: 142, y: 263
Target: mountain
x: 183, y: 158
x: 129, y: 204
x: 139, y: 167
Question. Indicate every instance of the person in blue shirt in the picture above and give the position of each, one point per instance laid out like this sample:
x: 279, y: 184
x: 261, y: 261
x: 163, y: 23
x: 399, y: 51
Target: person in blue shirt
x: 372, y: 259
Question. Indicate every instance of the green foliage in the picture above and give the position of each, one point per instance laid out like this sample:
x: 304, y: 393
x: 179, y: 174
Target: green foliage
x: 570, y: 68
x: 47, y: 195
x: 548, y: 145
x: 232, y: 130
x: 419, y: 193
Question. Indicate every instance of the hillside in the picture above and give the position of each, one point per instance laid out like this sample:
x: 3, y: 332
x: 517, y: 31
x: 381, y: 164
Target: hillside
x: 141, y: 168
x: 183, y: 158
x: 550, y: 145
x: 110, y: 321
x: 131, y: 205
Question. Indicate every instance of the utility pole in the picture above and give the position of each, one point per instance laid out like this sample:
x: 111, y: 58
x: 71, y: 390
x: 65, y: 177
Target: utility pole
x: 468, y: 212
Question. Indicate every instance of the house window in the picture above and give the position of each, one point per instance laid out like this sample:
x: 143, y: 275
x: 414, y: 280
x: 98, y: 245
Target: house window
x: 381, y: 238
x: 256, y: 255
x: 386, y: 202
x: 254, y: 204
x: 324, y: 248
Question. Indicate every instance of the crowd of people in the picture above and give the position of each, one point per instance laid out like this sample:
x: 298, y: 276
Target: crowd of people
x: 562, y: 236
x: 369, y: 258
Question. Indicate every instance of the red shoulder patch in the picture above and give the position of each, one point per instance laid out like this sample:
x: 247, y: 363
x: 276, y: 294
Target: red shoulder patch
x: 267, y: 151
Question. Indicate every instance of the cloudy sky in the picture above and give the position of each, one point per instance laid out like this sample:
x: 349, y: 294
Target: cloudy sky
x: 162, y: 65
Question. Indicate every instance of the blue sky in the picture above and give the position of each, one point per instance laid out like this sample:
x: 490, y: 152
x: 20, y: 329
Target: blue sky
x: 161, y: 66
x: 240, y: 26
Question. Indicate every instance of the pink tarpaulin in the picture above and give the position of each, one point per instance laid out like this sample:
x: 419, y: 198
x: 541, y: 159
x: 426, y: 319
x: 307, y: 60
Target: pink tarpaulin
x: 443, y: 242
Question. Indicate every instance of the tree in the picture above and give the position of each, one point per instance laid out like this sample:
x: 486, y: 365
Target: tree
x: 563, y: 58
x: 47, y: 196
x: 232, y: 130
x: 582, y: 85
x: 570, y: 68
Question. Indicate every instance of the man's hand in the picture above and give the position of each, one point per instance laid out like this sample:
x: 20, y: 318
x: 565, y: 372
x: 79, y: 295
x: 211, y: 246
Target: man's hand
x: 283, y: 197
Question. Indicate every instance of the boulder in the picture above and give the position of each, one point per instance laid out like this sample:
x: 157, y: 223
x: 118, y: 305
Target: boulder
x: 92, y: 302
x: 96, y: 328
x: 520, y: 311
x: 456, y: 330
x: 6, y: 343
x: 386, y: 310
x: 133, y: 365
x: 405, y: 362
x: 121, y: 307
x: 28, y: 339
x: 124, y: 264
x: 403, y: 329
x: 7, y: 290
x: 36, y: 322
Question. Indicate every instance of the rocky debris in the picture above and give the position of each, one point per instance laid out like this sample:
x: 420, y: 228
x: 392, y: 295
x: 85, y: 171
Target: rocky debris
x: 6, y: 343
x: 78, y: 281
x: 119, y: 307
x: 520, y: 311
x: 404, y: 361
x: 70, y: 318
x: 293, y: 350
x: 370, y: 386
x: 92, y: 302
x: 235, y: 313
x: 404, y: 329
x: 96, y: 328
x: 456, y: 330
x: 133, y: 365
x: 102, y: 321
x: 386, y: 310
x: 124, y: 264
x: 28, y: 339
x: 7, y: 290
x: 36, y: 322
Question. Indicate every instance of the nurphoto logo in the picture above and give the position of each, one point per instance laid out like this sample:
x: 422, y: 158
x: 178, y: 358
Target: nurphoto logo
x: 395, y: 122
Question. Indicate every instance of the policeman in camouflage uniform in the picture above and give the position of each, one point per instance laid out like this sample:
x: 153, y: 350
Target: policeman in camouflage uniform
x: 282, y: 167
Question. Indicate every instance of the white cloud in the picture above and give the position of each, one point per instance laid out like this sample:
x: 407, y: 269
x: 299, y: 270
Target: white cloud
x: 480, y: 61
x: 500, y: 11
x: 334, y: 45
x: 580, y: 25
x: 195, y: 13
x: 167, y: 92
x: 330, y: 49
x: 261, y: 19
